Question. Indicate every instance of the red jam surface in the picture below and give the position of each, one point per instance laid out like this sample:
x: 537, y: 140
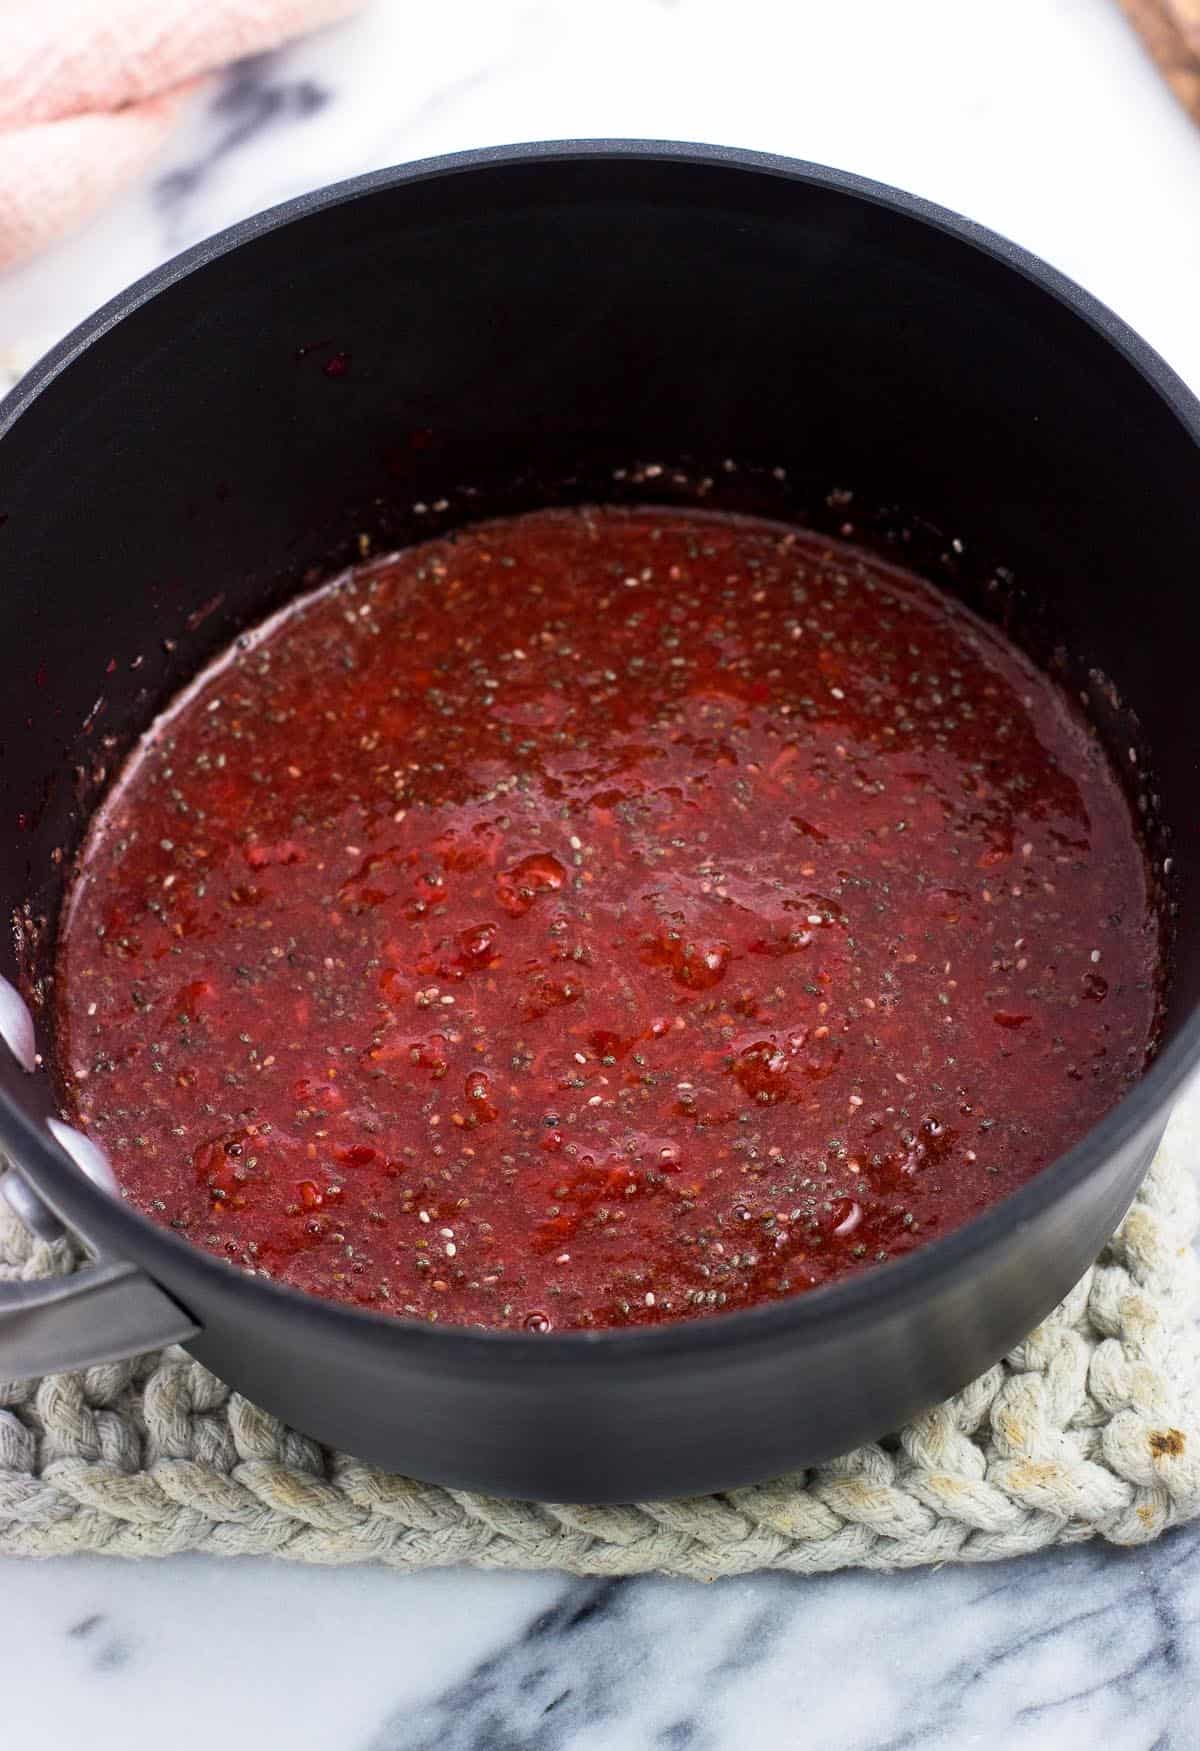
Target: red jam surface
x: 601, y: 918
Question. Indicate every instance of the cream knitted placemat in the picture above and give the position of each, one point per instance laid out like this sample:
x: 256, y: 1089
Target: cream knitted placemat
x: 1089, y: 1428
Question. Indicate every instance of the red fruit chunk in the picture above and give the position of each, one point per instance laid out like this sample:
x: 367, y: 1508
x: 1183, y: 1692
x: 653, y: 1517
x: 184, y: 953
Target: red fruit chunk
x: 477, y: 946
x: 546, y: 994
x: 697, y: 963
x: 193, y: 998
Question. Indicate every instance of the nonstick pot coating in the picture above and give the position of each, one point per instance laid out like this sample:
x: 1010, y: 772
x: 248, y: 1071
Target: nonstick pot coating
x: 550, y: 323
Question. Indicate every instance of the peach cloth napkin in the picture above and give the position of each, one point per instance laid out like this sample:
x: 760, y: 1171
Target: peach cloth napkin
x: 90, y: 88
x: 1170, y: 30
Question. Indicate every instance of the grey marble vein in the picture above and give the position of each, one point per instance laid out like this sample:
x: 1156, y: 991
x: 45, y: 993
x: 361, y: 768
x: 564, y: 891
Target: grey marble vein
x: 1077, y: 1647
x: 105, y: 1649
x: 253, y: 97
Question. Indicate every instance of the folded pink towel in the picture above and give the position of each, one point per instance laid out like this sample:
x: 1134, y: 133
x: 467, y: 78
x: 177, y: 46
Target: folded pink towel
x: 89, y: 89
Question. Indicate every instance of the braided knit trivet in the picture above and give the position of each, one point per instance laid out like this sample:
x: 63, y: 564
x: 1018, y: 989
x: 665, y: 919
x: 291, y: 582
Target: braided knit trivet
x: 1089, y: 1428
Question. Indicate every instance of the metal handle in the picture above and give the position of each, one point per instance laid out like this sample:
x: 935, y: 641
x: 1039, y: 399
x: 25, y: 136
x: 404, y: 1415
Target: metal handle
x: 104, y: 1311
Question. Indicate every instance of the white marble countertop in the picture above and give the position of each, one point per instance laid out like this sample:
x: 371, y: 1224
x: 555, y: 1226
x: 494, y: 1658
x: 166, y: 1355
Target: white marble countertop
x: 1043, y: 119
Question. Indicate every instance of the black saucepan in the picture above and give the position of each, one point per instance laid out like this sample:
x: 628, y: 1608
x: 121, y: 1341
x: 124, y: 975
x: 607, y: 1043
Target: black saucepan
x: 492, y: 331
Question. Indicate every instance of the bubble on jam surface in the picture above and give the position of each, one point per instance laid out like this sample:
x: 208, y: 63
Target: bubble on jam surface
x: 538, y: 1322
x: 456, y: 958
x: 480, y: 1105
x: 790, y: 942
x: 518, y: 887
x: 761, y: 1069
x: 1095, y: 987
x: 477, y: 946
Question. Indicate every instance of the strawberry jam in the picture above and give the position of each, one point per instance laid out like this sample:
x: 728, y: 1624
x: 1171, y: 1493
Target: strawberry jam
x: 603, y: 917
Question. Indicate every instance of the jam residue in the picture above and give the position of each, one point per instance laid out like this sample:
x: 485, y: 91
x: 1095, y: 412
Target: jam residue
x: 603, y: 917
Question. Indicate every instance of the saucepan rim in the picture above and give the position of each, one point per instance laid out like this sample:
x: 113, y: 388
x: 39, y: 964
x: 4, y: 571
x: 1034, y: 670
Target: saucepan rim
x: 848, y: 1302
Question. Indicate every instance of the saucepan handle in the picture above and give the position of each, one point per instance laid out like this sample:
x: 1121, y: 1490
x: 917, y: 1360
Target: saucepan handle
x: 106, y: 1310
